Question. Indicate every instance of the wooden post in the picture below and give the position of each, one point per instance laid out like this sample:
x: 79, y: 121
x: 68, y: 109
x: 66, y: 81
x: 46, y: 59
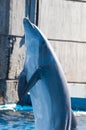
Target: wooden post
x: 12, y: 55
x: 4, y: 28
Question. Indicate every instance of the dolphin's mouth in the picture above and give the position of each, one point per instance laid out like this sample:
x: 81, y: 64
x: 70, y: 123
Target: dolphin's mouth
x: 25, y: 20
x: 27, y: 23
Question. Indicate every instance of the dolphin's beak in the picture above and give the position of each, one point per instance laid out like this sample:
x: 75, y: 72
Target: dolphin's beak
x: 27, y: 24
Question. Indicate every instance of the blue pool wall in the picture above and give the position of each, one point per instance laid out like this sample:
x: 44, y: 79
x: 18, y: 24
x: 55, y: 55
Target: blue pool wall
x: 78, y: 104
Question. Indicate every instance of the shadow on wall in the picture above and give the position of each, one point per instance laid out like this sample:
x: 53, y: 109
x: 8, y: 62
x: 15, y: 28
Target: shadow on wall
x: 2, y: 91
x: 4, y: 29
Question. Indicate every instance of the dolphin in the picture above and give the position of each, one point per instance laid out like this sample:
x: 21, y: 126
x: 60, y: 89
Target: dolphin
x: 45, y: 80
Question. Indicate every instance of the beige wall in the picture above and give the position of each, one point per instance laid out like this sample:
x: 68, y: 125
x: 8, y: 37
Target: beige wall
x: 66, y: 20
x: 58, y: 19
x: 65, y: 23
x: 12, y: 55
x: 17, y: 13
x: 63, y: 19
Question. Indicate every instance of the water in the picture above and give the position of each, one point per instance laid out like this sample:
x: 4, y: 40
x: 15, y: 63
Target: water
x: 81, y: 118
x: 18, y: 120
x: 14, y: 117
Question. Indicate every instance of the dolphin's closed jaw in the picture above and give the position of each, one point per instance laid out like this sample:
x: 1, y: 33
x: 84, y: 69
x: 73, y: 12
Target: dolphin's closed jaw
x: 25, y: 20
x: 27, y: 24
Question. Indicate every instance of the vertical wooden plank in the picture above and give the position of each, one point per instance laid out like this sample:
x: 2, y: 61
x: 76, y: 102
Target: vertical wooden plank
x: 72, y: 58
x: 31, y: 7
x: 4, y: 28
x: 63, y: 19
x: 11, y: 92
x: 4, y: 47
x: 17, y: 13
x: 18, y: 10
x: 32, y: 15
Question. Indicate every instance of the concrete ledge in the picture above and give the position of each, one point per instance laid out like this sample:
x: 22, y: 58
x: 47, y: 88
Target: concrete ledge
x: 77, y: 90
x: 8, y: 91
x: 11, y: 91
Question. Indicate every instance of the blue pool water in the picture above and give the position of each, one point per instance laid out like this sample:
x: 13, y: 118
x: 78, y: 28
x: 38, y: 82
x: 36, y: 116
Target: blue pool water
x: 14, y: 117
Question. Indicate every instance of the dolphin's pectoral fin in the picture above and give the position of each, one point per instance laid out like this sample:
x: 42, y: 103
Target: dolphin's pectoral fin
x: 22, y: 82
x: 34, y: 78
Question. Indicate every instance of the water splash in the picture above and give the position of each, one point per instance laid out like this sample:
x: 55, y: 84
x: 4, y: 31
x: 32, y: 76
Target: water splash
x: 15, y: 107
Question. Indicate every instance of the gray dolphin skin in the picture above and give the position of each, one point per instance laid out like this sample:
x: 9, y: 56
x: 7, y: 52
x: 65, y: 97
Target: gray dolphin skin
x: 46, y: 83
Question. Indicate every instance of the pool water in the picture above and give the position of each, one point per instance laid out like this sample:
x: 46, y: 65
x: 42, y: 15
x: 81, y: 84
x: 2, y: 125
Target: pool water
x: 81, y: 119
x: 18, y: 120
x: 22, y: 118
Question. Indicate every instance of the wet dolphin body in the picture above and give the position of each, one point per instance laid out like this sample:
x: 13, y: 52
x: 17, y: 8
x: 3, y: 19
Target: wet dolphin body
x: 46, y: 82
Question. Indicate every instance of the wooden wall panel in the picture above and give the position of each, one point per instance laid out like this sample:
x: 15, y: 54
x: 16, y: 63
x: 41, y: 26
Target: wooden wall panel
x: 4, y: 47
x: 72, y: 57
x: 65, y: 22
x: 12, y: 55
x: 63, y: 19
x: 4, y: 28
x: 17, y: 13
x: 16, y: 61
x: 18, y: 10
